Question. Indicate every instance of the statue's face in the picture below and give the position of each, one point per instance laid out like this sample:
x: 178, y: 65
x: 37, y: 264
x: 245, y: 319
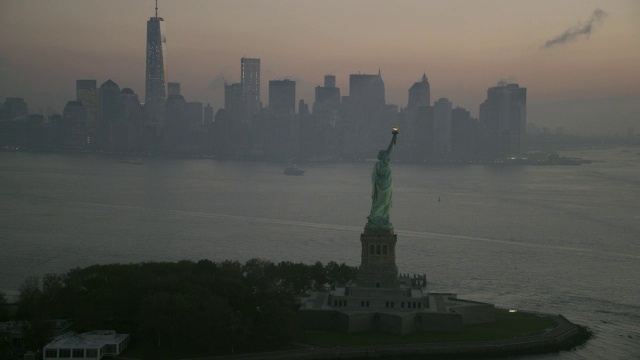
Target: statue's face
x: 381, y: 154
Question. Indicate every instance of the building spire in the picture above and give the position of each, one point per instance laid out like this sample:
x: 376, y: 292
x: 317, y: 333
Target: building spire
x: 156, y: 9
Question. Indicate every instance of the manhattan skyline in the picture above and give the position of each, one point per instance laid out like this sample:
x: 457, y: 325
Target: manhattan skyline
x: 577, y: 58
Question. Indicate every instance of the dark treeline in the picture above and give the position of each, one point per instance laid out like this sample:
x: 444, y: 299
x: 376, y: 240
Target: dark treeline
x: 195, y: 306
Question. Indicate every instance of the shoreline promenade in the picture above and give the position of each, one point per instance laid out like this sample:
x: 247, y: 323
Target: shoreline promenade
x: 564, y: 336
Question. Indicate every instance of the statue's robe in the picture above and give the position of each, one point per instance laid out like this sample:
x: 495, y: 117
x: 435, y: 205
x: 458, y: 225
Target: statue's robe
x: 381, y: 194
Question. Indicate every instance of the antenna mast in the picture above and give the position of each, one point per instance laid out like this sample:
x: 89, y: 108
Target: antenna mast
x: 156, y: 9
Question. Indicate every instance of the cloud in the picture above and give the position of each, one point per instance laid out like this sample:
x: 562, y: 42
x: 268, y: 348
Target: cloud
x: 507, y: 80
x: 577, y: 32
x: 217, y: 83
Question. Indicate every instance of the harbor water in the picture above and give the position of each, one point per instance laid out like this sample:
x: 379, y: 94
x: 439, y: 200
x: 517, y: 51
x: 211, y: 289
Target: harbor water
x: 553, y: 239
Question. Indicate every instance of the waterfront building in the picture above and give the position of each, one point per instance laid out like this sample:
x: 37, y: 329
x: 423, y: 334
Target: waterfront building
x: 96, y: 344
x: 233, y: 103
x: 15, y: 108
x: 156, y: 76
x: 303, y: 108
x: 175, y: 112
x: 87, y: 93
x: 194, y: 113
x: 282, y: 97
x: 250, y: 82
x: 108, y: 113
x: 442, y: 128
x: 126, y: 131
x: 330, y: 81
x: 365, y: 118
x: 420, y: 93
x: 503, y: 118
x: 327, y: 97
x: 423, y: 124
x: 319, y: 133
x: 366, y: 89
x: 71, y: 132
x: 107, y: 101
x: 463, y: 134
x: 208, y: 114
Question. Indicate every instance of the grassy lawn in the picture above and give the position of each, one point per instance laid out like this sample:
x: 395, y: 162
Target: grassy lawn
x: 507, y: 325
x: 146, y: 350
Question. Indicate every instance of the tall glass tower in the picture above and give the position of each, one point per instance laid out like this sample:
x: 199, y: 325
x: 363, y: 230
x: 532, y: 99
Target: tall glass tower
x: 250, y: 82
x: 156, y: 79
x: 420, y: 93
x: 87, y: 93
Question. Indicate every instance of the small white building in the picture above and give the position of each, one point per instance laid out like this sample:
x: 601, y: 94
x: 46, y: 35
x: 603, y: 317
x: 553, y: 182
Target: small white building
x: 91, y: 345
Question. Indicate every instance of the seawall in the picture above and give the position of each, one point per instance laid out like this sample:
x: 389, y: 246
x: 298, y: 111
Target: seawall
x: 562, y: 337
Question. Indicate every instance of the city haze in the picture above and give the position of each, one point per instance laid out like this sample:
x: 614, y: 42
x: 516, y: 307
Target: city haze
x: 586, y: 81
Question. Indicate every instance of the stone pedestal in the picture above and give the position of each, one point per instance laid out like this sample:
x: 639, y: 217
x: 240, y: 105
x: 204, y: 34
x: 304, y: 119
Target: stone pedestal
x: 378, y: 268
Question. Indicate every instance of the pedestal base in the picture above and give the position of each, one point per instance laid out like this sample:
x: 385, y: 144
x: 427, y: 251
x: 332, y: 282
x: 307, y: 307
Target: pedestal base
x: 378, y: 268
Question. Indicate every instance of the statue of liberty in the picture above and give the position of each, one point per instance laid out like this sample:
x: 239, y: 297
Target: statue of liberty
x: 382, y: 190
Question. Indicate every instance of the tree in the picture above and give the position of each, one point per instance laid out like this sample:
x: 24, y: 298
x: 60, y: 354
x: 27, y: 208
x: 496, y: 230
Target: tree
x: 32, y: 310
x: 4, y: 311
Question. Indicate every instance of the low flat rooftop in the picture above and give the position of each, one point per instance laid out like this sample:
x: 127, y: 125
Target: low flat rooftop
x: 91, y: 340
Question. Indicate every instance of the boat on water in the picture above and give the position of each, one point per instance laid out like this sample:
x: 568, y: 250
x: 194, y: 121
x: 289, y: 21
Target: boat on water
x: 293, y: 170
x: 137, y: 161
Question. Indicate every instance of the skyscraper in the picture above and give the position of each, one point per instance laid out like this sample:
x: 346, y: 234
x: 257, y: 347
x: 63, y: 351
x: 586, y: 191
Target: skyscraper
x: 327, y: 97
x: 250, y: 82
x: 330, y: 81
x: 208, y: 114
x: 366, y: 90
x: 503, y: 117
x: 108, y: 113
x: 463, y: 133
x: 365, y: 123
x: 15, y: 108
x: 233, y: 103
x: 72, y: 132
x: 442, y: 127
x: 282, y: 97
x: 87, y: 93
x: 420, y: 93
x: 194, y: 113
x: 156, y: 79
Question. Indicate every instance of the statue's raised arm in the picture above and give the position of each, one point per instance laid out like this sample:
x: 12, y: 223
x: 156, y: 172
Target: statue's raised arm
x: 382, y: 190
x: 393, y: 141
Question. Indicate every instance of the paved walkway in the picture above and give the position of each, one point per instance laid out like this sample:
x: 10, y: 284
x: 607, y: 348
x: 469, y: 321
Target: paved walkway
x: 550, y: 339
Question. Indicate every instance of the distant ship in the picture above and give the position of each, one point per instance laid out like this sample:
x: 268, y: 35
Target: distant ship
x: 293, y: 170
x: 137, y: 161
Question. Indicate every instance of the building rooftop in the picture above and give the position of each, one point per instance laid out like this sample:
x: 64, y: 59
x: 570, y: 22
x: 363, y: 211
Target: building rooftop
x: 90, y: 340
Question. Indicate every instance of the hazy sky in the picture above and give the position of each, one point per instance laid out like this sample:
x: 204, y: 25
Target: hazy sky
x: 577, y: 58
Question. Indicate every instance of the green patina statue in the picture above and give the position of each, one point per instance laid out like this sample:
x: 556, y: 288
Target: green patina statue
x: 382, y: 190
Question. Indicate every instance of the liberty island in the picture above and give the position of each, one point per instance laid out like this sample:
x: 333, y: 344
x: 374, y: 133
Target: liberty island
x: 382, y: 300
